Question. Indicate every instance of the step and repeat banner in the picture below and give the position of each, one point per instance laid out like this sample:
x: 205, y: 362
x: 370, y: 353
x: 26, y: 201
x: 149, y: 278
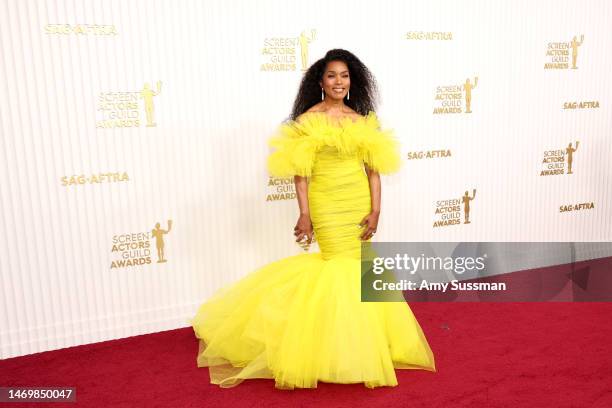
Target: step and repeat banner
x: 134, y: 141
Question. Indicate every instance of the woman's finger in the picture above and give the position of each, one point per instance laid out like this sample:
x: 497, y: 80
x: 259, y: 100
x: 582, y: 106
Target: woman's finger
x: 370, y: 232
x: 364, y: 221
x: 366, y: 229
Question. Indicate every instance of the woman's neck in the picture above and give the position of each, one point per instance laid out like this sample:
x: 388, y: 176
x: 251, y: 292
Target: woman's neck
x: 333, y: 106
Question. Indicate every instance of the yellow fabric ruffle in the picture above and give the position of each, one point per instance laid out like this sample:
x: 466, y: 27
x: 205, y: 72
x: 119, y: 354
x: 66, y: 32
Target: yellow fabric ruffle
x: 296, y: 143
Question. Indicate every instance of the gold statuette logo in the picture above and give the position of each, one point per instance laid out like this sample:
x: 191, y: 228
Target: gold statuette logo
x: 280, y: 53
x: 158, y: 233
x: 558, y: 54
x: 451, y: 98
x: 134, y: 249
x: 147, y: 95
x: 122, y: 109
x: 557, y: 162
x: 466, y: 205
x: 448, y: 212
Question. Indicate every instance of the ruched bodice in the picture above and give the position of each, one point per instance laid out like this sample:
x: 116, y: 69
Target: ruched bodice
x: 339, y: 198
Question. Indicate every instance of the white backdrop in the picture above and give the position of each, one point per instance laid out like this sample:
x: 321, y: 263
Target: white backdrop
x: 85, y: 169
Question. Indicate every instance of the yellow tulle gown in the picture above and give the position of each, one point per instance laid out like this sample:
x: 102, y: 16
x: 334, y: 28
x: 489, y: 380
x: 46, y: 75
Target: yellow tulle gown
x: 300, y: 320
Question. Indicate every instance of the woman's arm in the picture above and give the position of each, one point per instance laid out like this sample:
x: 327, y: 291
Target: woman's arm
x: 371, y: 220
x: 303, y: 227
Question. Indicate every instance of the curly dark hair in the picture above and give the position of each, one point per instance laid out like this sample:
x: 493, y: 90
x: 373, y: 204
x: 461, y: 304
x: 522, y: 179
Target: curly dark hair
x: 364, y: 92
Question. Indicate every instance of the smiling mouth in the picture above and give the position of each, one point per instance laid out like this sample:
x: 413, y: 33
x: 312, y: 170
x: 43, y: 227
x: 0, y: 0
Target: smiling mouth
x: 338, y: 90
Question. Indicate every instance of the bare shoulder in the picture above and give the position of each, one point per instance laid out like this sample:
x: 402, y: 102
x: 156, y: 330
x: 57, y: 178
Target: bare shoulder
x: 354, y: 115
x: 316, y: 108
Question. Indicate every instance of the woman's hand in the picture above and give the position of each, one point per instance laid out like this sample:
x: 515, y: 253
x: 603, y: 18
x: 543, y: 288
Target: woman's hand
x: 303, y: 228
x: 370, y: 222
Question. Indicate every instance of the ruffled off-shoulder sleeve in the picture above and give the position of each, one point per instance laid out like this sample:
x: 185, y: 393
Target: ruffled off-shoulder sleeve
x: 296, y: 144
x: 380, y: 149
x: 294, y: 151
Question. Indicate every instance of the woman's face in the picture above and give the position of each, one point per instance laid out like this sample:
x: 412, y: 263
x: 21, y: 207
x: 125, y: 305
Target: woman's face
x: 336, y: 81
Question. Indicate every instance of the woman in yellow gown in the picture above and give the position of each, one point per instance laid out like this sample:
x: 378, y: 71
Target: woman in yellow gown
x: 300, y: 320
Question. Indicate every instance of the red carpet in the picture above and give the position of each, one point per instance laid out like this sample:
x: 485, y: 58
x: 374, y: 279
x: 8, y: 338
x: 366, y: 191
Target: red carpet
x: 487, y: 355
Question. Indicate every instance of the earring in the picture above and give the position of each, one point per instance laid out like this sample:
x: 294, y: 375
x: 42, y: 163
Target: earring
x: 322, y: 94
x: 348, y: 94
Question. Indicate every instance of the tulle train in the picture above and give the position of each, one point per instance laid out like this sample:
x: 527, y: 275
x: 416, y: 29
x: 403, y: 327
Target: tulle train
x: 300, y: 320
